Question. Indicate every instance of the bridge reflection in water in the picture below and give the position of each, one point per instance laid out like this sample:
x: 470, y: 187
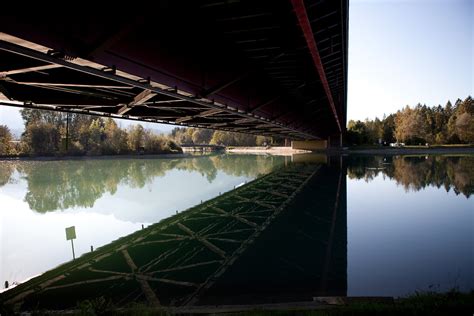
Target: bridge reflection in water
x: 280, y: 238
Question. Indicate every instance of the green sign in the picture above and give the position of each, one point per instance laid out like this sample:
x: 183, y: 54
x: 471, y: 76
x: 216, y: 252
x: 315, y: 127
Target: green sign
x: 70, y: 233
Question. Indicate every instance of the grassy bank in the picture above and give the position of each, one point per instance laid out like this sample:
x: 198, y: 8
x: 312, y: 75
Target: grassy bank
x: 435, y: 146
x: 419, y: 303
x: 407, y: 150
x: 427, y: 303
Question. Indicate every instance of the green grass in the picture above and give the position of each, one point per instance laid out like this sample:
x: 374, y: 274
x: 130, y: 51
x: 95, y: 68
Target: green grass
x: 424, y: 303
x: 431, y: 146
x: 440, y: 146
x: 419, y: 303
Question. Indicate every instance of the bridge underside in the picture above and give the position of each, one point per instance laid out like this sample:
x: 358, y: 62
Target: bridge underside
x: 261, y: 67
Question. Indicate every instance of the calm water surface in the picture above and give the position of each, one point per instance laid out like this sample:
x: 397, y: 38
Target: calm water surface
x: 404, y: 223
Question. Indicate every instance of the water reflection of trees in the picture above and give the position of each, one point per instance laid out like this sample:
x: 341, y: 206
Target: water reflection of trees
x: 416, y: 173
x: 6, y: 170
x: 54, y: 185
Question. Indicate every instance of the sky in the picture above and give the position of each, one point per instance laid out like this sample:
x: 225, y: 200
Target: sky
x: 408, y: 52
x: 401, y: 52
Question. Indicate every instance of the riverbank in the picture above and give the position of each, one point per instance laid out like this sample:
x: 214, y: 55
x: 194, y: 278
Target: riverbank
x: 369, y: 150
x: 285, y: 151
x: 420, y: 303
x: 429, y: 303
x: 277, y: 151
x: 404, y: 150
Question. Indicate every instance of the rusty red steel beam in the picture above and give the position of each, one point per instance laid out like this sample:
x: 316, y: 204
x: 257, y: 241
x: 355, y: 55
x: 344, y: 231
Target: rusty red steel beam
x: 303, y: 21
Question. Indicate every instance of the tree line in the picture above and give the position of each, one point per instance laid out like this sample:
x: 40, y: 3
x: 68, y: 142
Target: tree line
x: 54, y: 133
x: 191, y: 135
x: 451, y: 124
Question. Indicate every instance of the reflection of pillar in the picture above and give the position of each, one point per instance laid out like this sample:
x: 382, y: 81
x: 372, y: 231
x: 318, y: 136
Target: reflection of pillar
x: 332, y: 207
x: 302, y: 254
x: 328, y: 254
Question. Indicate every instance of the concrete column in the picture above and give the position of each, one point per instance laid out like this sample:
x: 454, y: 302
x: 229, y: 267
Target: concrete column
x: 309, y: 144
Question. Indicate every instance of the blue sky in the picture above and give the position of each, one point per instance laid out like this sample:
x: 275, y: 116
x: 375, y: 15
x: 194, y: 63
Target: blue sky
x: 400, y: 52
x: 405, y: 52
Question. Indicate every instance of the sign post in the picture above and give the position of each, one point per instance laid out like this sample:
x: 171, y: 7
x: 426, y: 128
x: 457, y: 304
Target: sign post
x: 71, y: 235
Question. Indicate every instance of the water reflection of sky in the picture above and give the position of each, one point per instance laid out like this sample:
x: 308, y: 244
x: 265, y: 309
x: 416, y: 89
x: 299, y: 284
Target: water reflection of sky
x: 33, y: 242
x: 162, y: 197
x: 404, y: 233
x: 400, y: 241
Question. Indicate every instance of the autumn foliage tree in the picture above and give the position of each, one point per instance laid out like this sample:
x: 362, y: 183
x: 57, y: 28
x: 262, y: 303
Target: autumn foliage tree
x: 52, y: 133
x: 5, y: 140
x: 419, y: 125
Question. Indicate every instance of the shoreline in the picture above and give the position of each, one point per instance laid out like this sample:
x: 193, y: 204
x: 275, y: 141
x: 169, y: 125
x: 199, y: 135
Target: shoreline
x: 348, y: 151
x: 277, y: 151
x: 283, y: 151
x: 405, y: 151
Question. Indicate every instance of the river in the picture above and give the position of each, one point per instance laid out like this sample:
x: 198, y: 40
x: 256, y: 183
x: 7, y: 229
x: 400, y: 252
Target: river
x: 407, y: 222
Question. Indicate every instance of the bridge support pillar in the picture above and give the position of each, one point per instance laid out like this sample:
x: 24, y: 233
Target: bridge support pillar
x: 335, y: 141
x: 309, y: 144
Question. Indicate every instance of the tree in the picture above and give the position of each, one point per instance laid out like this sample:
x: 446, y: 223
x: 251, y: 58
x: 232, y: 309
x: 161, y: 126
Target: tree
x: 115, y: 138
x: 460, y: 124
x: 410, y: 126
x: 241, y: 139
x: 357, y: 133
x: 388, y: 128
x: 136, y: 137
x: 202, y: 136
x: 41, y: 138
x: 95, y: 136
x: 465, y: 127
x: 5, y: 140
x: 221, y: 138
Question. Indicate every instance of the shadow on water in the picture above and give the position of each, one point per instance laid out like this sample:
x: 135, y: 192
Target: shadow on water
x: 280, y: 238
